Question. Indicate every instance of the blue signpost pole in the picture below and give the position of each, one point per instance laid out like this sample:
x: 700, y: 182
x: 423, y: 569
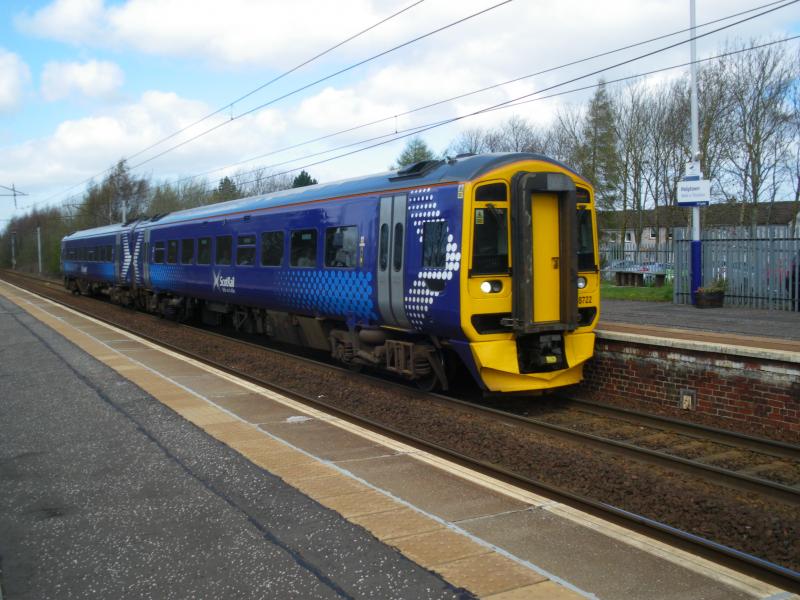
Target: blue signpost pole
x: 697, y: 268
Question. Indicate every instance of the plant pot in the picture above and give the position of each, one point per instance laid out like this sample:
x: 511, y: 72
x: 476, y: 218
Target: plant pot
x: 709, y: 299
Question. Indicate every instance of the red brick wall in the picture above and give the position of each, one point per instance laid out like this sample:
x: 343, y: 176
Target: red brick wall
x: 756, y: 396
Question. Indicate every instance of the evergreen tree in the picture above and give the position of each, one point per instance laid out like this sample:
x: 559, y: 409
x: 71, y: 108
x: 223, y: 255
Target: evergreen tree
x: 598, y: 156
x: 303, y: 179
x: 226, y: 190
x: 415, y: 151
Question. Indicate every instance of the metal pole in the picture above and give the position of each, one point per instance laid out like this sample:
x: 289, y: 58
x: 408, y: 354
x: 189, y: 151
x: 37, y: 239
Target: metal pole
x: 14, y: 250
x: 39, y: 246
x: 697, y: 248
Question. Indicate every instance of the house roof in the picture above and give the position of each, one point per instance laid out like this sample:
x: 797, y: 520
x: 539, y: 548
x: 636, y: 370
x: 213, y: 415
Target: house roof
x: 714, y: 215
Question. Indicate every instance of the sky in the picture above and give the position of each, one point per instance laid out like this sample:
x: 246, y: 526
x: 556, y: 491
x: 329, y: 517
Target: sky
x: 84, y: 83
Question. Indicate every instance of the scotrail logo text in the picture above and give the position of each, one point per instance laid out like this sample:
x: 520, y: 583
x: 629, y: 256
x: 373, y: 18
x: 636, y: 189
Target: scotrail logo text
x: 226, y: 285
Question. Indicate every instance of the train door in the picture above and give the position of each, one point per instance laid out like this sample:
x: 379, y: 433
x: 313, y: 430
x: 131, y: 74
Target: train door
x: 544, y: 292
x: 119, y: 258
x: 142, y: 273
x: 546, y: 257
x: 391, y: 260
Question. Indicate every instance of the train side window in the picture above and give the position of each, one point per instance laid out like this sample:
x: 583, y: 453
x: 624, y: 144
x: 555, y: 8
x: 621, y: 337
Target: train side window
x: 187, y: 251
x: 271, y: 248
x: 204, y: 251
x: 110, y: 253
x: 397, y: 251
x: 341, y: 246
x: 384, y: 246
x: 434, y: 244
x: 246, y: 250
x: 158, y: 252
x: 492, y: 192
x: 303, y: 248
x: 172, y: 252
x: 91, y: 253
x: 224, y: 250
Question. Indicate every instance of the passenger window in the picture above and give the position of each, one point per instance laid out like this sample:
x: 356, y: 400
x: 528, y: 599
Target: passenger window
x: 172, y: 251
x: 271, y: 249
x: 341, y: 246
x: 110, y: 253
x: 158, y: 252
x: 492, y: 192
x: 187, y: 251
x: 204, y: 251
x: 434, y: 244
x: 397, y: 252
x: 303, y: 248
x: 490, y: 241
x: 246, y: 250
x: 224, y: 250
x: 384, y: 247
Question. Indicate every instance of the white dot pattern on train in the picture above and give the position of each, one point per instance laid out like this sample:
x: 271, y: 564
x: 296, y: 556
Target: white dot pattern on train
x: 423, y: 208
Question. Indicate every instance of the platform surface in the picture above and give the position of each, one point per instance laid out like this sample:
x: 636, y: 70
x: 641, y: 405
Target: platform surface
x: 107, y: 493
x: 769, y: 329
x: 133, y: 469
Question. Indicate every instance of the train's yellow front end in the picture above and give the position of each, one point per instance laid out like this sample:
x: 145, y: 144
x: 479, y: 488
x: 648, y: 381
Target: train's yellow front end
x: 531, y: 292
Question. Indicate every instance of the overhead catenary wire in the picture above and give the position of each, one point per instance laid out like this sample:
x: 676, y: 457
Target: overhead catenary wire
x: 518, y: 100
x: 467, y: 94
x: 401, y: 134
x: 321, y: 80
x: 413, y: 130
x: 257, y: 89
x: 507, y: 104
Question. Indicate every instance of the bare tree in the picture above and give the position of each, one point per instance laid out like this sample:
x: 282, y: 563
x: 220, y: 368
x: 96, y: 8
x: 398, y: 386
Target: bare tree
x: 759, y: 82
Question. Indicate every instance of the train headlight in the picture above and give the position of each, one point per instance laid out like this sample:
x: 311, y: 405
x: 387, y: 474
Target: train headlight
x: 491, y: 287
x: 581, y: 282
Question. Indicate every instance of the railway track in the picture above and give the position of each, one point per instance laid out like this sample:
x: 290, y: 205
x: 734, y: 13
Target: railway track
x: 774, y: 452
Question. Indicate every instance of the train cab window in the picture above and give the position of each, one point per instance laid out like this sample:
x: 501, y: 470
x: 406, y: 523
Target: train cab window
x: 434, y: 244
x: 204, y: 251
x: 172, y: 252
x: 224, y: 250
x: 246, y: 250
x: 187, y: 251
x: 490, y: 241
x: 384, y: 247
x: 303, y: 252
x: 586, y: 258
x: 492, y: 192
x: 271, y: 248
x: 158, y: 252
x: 341, y: 246
x: 397, y: 251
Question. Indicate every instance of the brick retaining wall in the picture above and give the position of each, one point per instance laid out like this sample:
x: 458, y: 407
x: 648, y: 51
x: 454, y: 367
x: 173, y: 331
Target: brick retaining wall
x: 752, y: 395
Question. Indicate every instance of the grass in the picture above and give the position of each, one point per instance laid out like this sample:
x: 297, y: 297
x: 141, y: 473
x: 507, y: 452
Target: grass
x: 647, y: 294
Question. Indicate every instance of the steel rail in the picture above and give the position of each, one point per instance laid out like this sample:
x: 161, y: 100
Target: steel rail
x: 755, y: 566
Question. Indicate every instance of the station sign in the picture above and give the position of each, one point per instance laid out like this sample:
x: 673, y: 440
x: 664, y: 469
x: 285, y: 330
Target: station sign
x: 694, y: 192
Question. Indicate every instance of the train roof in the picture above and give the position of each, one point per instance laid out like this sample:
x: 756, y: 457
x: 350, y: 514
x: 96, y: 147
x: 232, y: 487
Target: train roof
x: 427, y: 173
x: 464, y: 168
x: 97, y: 231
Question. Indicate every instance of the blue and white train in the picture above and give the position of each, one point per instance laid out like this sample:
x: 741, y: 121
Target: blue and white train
x: 485, y: 260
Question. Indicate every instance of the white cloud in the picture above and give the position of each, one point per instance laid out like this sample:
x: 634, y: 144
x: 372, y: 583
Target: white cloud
x: 14, y: 76
x: 74, y: 21
x: 80, y: 148
x: 95, y: 79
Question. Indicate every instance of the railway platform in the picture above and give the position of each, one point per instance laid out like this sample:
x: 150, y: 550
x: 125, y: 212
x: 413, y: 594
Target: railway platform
x: 133, y: 471
x: 735, y: 368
